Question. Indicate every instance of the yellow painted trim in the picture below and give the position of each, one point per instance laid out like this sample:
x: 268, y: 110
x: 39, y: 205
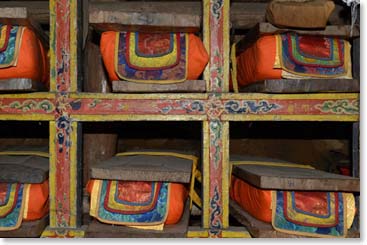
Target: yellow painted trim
x: 73, y: 46
x: 235, y: 234
x: 43, y: 95
x: 26, y: 117
x: 52, y: 174
x: 266, y: 163
x: 121, y: 96
x: 206, y: 175
x: 73, y: 174
x: 346, y: 118
x: 259, y: 96
x: 206, y: 39
x: 197, y: 234
x: 225, y: 173
x: 27, y: 188
x: 25, y: 153
x: 226, y: 45
x: 62, y: 233
x: 132, y: 117
x: 52, y: 7
x: 234, y: 68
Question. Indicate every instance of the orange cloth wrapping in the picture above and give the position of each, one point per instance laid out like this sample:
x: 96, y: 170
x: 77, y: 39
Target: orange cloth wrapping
x: 32, y: 60
x: 177, y: 197
x: 36, y: 203
x: 255, y: 201
x: 256, y: 63
x: 197, y: 56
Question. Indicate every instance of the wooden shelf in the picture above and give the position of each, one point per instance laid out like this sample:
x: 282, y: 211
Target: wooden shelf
x: 21, y: 85
x: 185, y: 86
x: 27, y: 229
x: 144, y: 168
x: 303, y: 86
x: 293, y: 178
x: 100, y: 230
x: 265, y: 28
x: 147, y: 17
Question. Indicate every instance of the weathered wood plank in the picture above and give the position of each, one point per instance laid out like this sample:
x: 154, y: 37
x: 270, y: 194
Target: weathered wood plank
x: 27, y: 229
x: 21, y: 85
x: 23, y: 169
x: 303, y: 86
x: 144, y: 168
x: 264, y: 28
x: 150, y: 16
x: 290, y: 178
x: 21, y: 16
x: 186, y: 86
x: 100, y: 230
x: 260, y: 229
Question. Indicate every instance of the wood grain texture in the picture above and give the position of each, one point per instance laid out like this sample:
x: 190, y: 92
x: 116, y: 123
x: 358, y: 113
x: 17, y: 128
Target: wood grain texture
x: 23, y: 169
x: 264, y: 28
x: 21, y: 85
x: 100, y: 230
x: 144, y: 168
x: 150, y: 16
x: 186, y: 86
x: 303, y: 86
x: 27, y: 229
x: 289, y: 178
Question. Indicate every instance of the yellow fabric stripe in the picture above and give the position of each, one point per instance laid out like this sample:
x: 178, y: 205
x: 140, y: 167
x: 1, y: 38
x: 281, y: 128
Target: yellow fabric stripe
x: 3, y: 35
x: 350, y: 204
x: 20, y: 217
x: 27, y: 188
x: 25, y: 153
x: 5, y: 208
x: 94, y: 197
x: 148, y: 227
x: 234, y: 68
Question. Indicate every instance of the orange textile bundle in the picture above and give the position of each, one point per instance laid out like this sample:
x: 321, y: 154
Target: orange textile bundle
x: 36, y: 203
x: 197, y: 56
x: 257, y: 62
x: 31, y: 58
x: 177, y: 196
x: 255, y: 201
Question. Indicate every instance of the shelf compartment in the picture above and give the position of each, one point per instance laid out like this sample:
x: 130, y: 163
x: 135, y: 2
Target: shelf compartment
x: 185, y: 86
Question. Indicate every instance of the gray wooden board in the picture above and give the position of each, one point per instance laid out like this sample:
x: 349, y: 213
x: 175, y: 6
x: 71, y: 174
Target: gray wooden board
x: 21, y: 85
x: 264, y: 28
x: 185, y: 86
x: 27, y: 229
x: 98, y: 229
x: 23, y: 169
x: 144, y: 168
x: 290, y: 178
x: 260, y: 229
x: 303, y: 86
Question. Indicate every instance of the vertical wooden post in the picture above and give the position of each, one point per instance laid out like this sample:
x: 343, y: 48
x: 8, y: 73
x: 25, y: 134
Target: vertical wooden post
x: 215, y: 131
x: 65, y: 191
